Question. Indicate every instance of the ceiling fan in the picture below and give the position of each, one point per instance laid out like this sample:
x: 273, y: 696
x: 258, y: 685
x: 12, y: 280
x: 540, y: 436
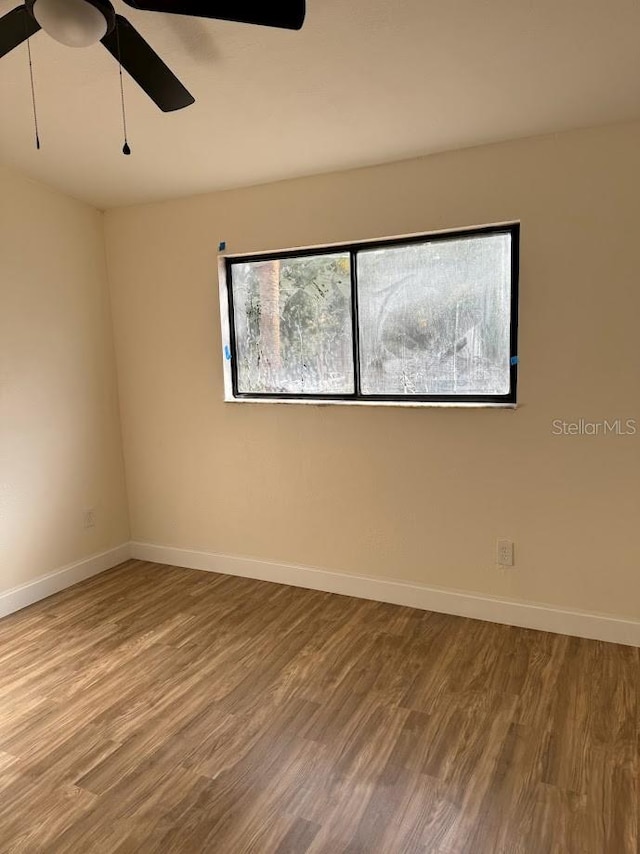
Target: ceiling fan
x: 80, y: 23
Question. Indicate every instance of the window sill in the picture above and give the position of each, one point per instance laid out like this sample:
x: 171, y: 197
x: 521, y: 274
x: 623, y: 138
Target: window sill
x: 397, y: 404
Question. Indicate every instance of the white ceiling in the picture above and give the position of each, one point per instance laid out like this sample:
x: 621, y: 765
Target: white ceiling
x: 365, y: 81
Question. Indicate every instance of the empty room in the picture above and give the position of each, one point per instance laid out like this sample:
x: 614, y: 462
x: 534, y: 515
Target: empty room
x: 319, y: 427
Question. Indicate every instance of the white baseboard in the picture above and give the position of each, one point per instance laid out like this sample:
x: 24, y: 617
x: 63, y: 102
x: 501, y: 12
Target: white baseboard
x: 510, y: 612
x: 33, y: 591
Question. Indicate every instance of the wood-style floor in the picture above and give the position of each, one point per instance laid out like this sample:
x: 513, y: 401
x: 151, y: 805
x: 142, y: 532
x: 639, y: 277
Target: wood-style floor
x: 155, y: 709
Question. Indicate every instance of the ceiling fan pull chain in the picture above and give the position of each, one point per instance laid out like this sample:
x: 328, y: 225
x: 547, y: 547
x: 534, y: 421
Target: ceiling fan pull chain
x: 125, y: 148
x: 33, y: 95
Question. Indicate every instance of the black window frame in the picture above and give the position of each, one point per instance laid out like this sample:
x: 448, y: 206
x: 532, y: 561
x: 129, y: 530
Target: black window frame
x: 512, y: 229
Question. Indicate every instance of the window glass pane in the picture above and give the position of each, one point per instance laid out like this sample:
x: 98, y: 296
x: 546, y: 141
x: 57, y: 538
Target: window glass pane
x: 435, y: 317
x: 293, y: 325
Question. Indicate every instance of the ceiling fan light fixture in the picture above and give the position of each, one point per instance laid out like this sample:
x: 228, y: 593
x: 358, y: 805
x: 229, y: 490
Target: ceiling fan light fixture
x: 80, y: 23
x: 75, y: 23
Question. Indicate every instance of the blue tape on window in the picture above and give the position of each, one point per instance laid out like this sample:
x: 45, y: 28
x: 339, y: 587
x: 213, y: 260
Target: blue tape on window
x: 227, y: 353
x: 222, y: 246
x: 514, y: 360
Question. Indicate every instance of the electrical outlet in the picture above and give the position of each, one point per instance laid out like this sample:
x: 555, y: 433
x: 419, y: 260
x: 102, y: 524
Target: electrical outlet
x: 504, y: 553
x: 90, y: 518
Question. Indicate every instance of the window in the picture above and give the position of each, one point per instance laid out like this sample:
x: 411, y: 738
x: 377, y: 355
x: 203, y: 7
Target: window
x: 430, y: 318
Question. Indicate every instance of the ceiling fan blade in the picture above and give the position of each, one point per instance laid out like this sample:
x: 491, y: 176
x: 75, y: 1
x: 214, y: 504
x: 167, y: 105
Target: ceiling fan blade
x: 16, y: 27
x: 287, y: 14
x: 126, y: 45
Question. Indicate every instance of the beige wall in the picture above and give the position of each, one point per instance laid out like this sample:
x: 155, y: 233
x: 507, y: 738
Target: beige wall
x: 416, y: 494
x: 60, y: 447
